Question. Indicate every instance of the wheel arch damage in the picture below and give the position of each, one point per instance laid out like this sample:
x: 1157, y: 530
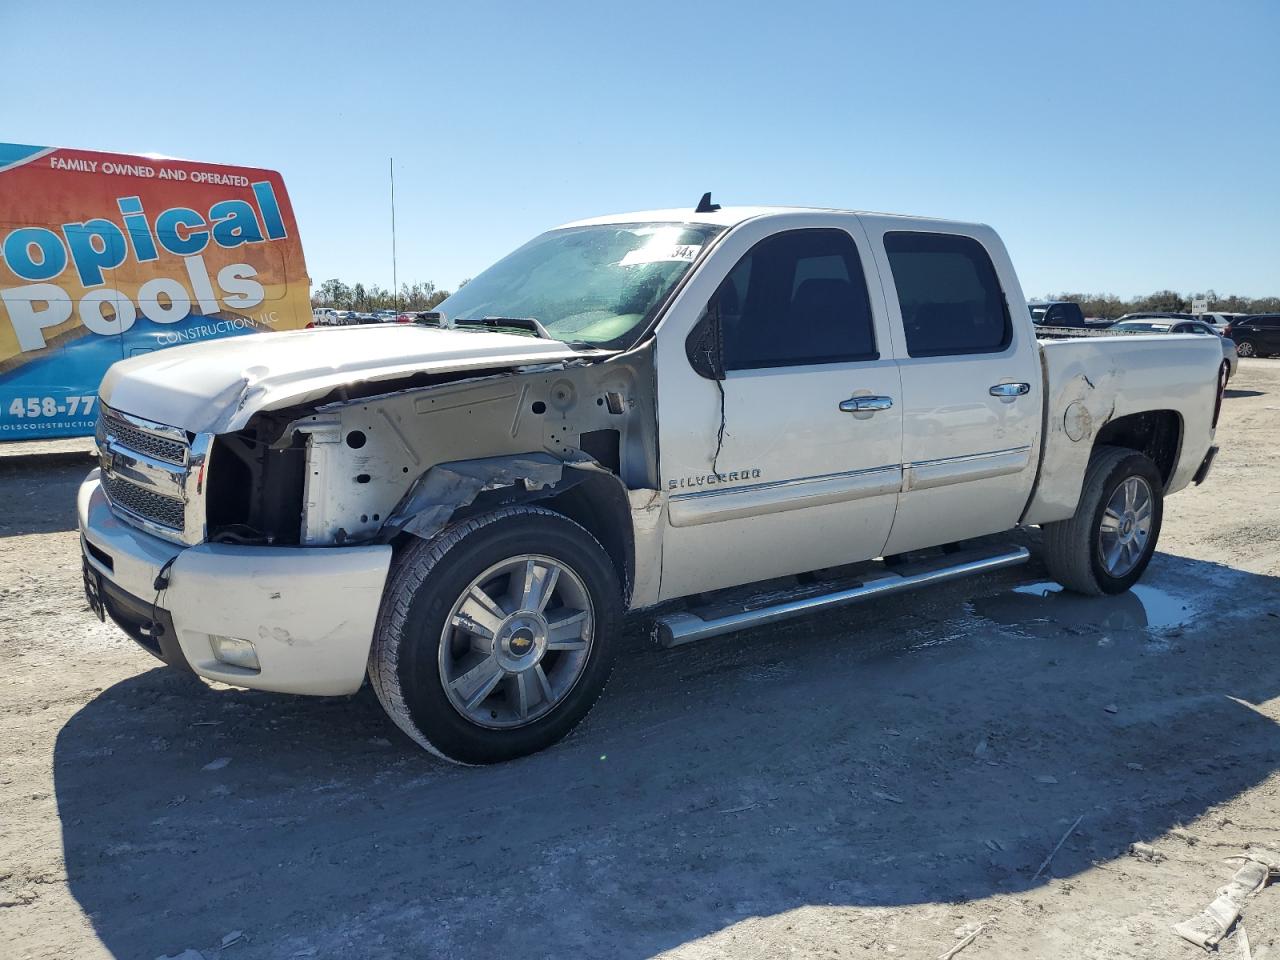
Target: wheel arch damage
x: 1155, y: 433
x: 577, y: 436
x: 583, y: 490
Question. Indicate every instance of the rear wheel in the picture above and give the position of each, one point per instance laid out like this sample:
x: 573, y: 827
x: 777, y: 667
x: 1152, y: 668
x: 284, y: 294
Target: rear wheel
x: 1245, y: 348
x: 496, y: 638
x: 1107, y: 545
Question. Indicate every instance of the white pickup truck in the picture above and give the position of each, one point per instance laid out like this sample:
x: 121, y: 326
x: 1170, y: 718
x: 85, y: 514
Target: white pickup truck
x: 623, y: 412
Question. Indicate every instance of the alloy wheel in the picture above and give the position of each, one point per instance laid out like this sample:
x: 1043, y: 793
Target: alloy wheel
x: 516, y: 641
x: 1126, y: 526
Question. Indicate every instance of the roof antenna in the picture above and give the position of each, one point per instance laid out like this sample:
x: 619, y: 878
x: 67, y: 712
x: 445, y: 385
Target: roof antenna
x: 705, y: 205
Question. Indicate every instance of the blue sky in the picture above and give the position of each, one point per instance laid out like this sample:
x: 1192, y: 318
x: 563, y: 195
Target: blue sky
x: 1117, y: 146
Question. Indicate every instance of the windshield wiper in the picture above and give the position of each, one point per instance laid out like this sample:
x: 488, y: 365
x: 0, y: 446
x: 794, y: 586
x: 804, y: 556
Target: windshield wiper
x: 519, y: 323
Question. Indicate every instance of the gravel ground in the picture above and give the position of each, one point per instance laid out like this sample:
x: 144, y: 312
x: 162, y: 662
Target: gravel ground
x: 878, y: 783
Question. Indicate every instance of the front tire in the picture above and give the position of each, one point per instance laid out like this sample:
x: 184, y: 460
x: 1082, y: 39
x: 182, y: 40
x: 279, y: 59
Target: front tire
x: 1106, y: 546
x: 495, y: 638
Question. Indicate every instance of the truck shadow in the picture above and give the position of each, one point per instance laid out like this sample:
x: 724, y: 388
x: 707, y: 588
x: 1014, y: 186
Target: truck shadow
x: 915, y: 750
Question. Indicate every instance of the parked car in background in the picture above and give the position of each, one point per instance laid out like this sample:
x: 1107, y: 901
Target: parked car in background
x: 324, y: 316
x: 1063, y: 313
x: 1155, y: 315
x: 1230, y: 358
x: 1220, y: 321
x: 1256, y: 336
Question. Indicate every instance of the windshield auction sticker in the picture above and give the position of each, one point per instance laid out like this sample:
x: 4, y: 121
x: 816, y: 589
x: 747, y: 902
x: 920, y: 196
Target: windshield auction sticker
x: 662, y: 253
x: 108, y: 256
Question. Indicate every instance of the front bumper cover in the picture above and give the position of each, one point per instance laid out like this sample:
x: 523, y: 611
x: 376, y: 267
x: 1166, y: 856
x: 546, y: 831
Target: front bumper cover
x: 309, y: 611
x: 147, y: 623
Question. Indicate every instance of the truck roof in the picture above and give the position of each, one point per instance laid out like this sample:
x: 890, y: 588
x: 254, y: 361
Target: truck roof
x: 730, y: 216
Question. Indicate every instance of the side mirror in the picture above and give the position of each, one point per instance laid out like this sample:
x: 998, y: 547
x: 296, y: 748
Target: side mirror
x: 705, y: 344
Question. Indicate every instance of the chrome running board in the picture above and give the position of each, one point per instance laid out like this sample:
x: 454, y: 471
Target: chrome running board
x: 674, y: 629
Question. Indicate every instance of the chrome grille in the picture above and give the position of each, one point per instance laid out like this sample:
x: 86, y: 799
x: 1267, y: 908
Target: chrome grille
x: 165, y: 511
x: 112, y: 426
x: 146, y: 469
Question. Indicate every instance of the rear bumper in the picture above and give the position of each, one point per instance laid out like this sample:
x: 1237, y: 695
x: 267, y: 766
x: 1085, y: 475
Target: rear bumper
x: 309, y: 611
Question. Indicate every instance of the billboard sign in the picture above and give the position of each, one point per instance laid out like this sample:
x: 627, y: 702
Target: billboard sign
x: 104, y: 256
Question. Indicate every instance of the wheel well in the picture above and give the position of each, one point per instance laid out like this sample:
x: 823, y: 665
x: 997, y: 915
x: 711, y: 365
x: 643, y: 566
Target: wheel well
x: 1156, y: 433
x: 599, y: 504
x: 597, y: 501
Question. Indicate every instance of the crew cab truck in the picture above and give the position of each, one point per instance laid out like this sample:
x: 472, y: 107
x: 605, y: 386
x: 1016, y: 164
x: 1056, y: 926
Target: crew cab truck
x: 625, y: 411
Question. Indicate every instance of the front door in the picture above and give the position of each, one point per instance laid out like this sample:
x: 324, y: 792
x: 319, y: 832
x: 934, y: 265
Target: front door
x: 793, y: 461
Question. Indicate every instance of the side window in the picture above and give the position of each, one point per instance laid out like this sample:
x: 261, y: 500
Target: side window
x: 796, y: 298
x: 1181, y: 328
x: 950, y: 298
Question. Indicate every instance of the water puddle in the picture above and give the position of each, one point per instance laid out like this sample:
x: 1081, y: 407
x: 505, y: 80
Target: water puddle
x: 1143, y: 607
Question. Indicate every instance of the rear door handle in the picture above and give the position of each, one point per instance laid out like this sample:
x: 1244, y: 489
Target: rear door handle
x: 865, y: 404
x: 1008, y: 391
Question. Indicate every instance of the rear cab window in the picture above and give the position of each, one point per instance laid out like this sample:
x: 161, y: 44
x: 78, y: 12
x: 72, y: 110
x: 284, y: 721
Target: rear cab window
x: 949, y: 295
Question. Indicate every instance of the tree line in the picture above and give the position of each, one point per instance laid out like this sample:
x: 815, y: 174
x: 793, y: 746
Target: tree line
x: 365, y: 298
x: 426, y: 296
x: 1166, y: 301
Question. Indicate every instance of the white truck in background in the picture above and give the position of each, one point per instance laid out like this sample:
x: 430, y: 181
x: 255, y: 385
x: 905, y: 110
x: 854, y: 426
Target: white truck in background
x: 624, y: 411
x: 324, y: 316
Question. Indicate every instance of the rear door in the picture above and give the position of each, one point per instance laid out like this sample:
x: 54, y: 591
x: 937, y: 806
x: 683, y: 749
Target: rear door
x: 971, y: 381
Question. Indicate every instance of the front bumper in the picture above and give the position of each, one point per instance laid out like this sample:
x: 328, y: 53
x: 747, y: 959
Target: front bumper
x: 309, y: 611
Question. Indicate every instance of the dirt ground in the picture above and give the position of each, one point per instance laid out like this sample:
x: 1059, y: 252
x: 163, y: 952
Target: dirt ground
x: 878, y: 783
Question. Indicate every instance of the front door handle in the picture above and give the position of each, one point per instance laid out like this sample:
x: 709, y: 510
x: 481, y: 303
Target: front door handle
x: 865, y: 404
x: 1010, y: 390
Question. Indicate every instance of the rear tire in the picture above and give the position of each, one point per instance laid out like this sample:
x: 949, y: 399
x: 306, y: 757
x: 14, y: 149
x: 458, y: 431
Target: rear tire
x: 496, y: 637
x: 1106, y: 546
x: 1245, y: 348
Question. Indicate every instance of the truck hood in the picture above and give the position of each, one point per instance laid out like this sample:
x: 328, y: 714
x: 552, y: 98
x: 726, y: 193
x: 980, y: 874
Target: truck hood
x: 217, y: 385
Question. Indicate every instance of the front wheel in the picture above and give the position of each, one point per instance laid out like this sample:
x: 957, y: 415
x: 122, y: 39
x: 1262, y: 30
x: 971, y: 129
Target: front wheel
x: 496, y: 638
x: 1107, y: 545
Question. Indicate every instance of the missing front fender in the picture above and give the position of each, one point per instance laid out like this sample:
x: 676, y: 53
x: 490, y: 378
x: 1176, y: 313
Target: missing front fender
x: 446, y: 488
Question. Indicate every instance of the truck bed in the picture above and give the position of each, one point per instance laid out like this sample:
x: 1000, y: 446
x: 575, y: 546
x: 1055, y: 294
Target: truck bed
x: 1095, y: 377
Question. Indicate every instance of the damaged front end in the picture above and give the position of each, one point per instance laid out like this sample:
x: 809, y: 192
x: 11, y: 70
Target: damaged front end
x: 379, y: 462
